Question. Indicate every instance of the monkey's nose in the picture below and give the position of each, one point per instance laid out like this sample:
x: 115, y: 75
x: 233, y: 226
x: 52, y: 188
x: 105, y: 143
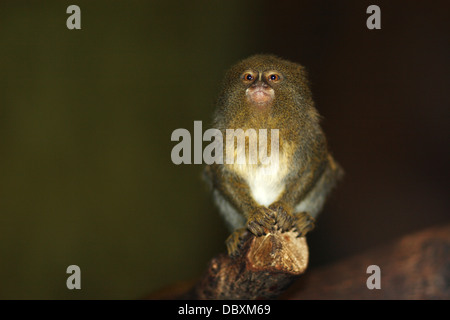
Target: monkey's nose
x: 259, y: 84
x: 260, y: 94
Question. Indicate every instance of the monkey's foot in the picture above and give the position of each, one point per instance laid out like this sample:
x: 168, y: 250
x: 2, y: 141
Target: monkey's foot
x: 234, y: 241
x: 261, y: 221
x: 304, y: 223
x: 285, y: 219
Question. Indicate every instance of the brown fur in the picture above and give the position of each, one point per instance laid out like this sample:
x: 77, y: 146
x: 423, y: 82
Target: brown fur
x: 310, y: 171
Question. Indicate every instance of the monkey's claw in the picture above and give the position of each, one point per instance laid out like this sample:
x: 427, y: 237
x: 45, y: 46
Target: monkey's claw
x: 304, y: 223
x: 261, y: 221
x: 285, y: 219
x: 234, y: 241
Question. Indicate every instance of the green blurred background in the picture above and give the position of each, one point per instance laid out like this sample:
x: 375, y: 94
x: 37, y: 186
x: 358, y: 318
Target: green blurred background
x: 86, y: 117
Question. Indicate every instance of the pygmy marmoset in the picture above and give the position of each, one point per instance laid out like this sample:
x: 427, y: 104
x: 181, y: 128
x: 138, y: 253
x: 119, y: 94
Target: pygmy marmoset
x: 266, y: 92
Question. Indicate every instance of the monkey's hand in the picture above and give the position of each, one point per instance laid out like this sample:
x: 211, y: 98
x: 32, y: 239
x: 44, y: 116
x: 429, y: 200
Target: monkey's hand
x: 261, y: 221
x: 285, y: 218
x: 304, y: 223
x: 234, y: 241
x: 301, y: 222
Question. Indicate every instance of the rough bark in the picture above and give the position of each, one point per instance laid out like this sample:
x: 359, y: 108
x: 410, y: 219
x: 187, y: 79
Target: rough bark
x: 265, y: 267
x: 416, y: 266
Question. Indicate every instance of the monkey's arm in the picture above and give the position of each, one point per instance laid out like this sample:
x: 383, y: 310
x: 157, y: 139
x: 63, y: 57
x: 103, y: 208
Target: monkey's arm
x: 305, y: 191
x: 232, y: 187
x: 236, y: 191
x: 316, y: 187
x: 300, y: 182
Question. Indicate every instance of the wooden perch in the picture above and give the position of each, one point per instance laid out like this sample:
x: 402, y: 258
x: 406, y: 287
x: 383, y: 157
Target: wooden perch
x: 264, y: 268
x: 416, y: 266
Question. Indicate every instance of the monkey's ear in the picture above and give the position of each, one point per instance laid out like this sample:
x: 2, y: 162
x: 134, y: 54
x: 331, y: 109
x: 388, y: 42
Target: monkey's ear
x: 302, y: 80
x: 303, y: 74
x: 299, y: 75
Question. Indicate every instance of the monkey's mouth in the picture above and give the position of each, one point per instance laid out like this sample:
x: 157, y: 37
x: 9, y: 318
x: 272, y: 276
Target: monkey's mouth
x: 260, y: 95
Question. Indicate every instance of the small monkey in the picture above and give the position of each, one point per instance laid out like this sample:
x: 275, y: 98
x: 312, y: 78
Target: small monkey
x: 266, y: 92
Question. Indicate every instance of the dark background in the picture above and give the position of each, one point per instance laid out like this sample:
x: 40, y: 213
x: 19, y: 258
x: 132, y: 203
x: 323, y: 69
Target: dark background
x: 86, y: 117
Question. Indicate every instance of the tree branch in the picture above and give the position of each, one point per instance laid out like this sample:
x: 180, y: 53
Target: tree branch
x: 264, y: 268
x: 416, y: 266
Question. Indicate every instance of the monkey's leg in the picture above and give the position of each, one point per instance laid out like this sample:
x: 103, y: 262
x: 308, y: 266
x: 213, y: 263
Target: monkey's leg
x: 234, y: 241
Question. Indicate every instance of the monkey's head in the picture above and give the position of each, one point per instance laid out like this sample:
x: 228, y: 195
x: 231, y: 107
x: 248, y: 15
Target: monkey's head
x: 265, y: 84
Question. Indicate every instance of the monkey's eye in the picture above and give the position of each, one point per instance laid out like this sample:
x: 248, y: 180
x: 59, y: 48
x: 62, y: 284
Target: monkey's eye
x: 248, y: 77
x: 274, y: 77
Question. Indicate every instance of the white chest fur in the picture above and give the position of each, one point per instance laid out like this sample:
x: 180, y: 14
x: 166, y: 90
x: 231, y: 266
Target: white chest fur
x: 266, y: 182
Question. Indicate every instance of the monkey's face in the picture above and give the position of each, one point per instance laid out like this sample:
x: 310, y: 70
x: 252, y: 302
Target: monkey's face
x: 259, y: 86
x: 263, y: 83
